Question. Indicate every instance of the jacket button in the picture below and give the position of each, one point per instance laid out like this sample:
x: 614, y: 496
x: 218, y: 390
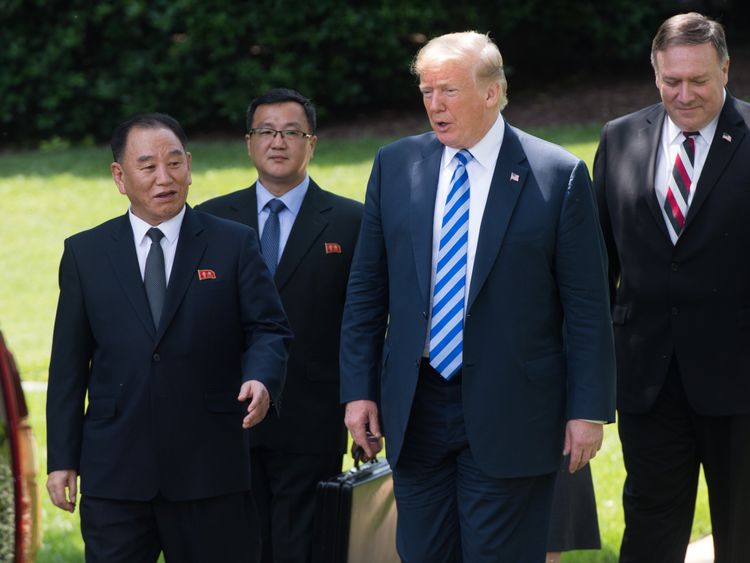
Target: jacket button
x: 675, y: 311
x: 675, y: 266
x: 156, y: 357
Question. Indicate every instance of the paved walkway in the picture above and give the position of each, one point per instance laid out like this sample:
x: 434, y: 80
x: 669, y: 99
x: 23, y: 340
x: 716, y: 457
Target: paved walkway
x: 701, y: 551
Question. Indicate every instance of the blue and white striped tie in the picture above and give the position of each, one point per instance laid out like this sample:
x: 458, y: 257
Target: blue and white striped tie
x: 447, y: 326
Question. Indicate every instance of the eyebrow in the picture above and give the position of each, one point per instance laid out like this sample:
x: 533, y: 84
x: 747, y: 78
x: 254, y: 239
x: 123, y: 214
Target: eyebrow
x: 289, y: 124
x: 148, y: 157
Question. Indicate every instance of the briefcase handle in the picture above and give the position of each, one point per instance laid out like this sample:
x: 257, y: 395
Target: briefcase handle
x: 358, y: 453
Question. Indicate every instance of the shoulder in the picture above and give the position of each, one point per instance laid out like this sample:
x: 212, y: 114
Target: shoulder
x: 409, y: 147
x: 230, y: 200
x: 536, y: 147
x: 219, y: 225
x: 338, y: 203
x: 638, y: 118
x: 100, y: 233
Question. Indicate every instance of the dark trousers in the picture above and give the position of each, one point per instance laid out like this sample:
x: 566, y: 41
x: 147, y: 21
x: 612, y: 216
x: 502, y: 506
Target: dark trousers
x: 449, y: 510
x: 221, y: 528
x: 663, y: 451
x: 284, y: 489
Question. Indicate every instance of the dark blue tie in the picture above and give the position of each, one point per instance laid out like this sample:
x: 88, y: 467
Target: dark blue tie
x: 269, y: 240
x: 154, y: 275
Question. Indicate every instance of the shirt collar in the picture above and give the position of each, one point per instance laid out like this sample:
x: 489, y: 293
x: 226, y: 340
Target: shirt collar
x: 292, y: 199
x: 674, y: 133
x: 170, y: 227
x: 486, y: 150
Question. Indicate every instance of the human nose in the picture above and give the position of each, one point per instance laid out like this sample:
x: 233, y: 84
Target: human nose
x: 684, y: 92
x: 162, y: 175
x: 278, y: 139
x: 435, y: 102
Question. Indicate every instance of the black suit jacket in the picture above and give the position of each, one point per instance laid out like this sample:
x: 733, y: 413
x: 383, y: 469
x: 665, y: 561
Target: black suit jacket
x: 163, y: 415
x: 691, y: 299
x: 312, y: 283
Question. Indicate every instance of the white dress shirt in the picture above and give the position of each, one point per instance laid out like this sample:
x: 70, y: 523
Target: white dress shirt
x: 171, y: 230
x: 292, y: 202
x: 671, y: 139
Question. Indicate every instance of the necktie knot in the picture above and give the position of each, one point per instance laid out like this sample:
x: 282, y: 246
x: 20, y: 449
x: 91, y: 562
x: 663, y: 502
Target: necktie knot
x: 155, y: 234
x: 275, y: 205
x: 464, y: 157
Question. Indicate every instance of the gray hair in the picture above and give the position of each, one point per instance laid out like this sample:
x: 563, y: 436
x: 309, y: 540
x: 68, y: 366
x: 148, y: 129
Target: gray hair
x: 477, y: 48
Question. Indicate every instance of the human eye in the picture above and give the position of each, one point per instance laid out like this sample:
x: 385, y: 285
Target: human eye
x: 265, y: 133
x: 426, y: 92
x: 292, y: 134
x: 148, y: 167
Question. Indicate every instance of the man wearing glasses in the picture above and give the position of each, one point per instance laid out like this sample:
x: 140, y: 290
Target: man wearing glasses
x: 307, y: 237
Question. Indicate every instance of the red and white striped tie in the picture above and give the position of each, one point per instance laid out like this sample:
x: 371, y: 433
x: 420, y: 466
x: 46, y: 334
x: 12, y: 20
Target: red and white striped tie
x: 678, y: 189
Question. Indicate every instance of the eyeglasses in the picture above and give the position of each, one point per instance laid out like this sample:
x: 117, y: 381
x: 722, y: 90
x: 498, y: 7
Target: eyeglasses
x: 267, y: 134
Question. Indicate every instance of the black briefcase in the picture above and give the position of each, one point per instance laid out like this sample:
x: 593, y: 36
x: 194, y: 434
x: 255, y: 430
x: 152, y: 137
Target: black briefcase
x: 355, y: 516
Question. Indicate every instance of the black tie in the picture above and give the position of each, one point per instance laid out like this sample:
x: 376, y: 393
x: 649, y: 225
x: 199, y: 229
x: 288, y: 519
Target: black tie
x: 269, y: 240
x: 154, y: 277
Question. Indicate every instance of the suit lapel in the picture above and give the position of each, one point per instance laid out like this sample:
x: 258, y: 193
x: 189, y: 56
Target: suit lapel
x: 125, y: 263
x: 646, y: 147
x: 190, y: 249
x: 424, y: 180
x: 308, y: 225
x: 729, y: 133
x: 511, y: 172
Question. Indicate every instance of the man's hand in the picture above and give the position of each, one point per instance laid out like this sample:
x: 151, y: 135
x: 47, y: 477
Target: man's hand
x: 255, y: 392
x: 362, y: 421
x: 582, y: 440
x: 62, y: 487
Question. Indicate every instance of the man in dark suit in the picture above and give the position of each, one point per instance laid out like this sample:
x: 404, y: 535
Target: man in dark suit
x: 493, y: 305
x: 672, y: 186
x: 169, y: 324
x: 317, y: 233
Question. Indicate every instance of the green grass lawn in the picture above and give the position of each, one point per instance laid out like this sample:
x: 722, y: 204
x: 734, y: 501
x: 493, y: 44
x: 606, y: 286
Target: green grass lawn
x: 50, y: 194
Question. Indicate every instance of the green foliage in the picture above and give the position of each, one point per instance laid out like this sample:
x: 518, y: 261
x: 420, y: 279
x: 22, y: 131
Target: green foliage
x: 72, y: 69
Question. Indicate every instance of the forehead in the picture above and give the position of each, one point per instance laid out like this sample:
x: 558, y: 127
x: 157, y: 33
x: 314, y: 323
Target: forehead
x: 146, y: 141
x: 687, y: 59
x: 283, y: 113
x: 448, y: 71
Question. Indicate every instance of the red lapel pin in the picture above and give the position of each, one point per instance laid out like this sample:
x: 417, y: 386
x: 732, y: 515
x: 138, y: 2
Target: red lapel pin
x: 206, y: 275
x: 333, y: 248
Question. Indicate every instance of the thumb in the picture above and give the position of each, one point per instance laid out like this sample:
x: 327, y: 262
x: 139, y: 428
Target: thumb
x: 374, y: 423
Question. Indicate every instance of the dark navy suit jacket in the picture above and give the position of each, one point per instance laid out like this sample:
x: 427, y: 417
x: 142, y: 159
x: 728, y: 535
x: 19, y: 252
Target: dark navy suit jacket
x: 537, y: 338
x: 163, y: 415
x: 690, y: 299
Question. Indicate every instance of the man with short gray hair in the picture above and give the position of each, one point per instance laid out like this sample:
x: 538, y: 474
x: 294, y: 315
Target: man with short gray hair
x: 672, y: 185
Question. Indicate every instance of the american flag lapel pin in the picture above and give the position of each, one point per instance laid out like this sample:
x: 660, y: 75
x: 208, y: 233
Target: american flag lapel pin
x: 333, y: 248
x: 514, y: 177
x: 727, y: 137
x: 206, y: 275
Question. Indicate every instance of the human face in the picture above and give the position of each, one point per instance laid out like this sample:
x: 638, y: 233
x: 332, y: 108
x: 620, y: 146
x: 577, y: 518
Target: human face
x: 281, y: 163
x: 691, y: 82
x: 154, y: 174
x: 461, y: 111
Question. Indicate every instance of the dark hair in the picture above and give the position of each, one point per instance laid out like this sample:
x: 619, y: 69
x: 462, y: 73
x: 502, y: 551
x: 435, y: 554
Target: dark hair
x: 278, y: 96
x: 144, y: 121
x: 690, y: 29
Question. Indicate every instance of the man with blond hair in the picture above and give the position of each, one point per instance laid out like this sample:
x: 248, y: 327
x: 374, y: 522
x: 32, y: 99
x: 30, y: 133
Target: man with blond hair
x: 476, y: 328
x: 672, y: 184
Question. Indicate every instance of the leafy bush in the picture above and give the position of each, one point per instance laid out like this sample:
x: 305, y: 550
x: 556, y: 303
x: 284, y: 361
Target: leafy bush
x: 73, y: 69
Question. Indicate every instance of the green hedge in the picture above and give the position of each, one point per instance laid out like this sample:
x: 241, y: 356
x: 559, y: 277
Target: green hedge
x: 72, y: 70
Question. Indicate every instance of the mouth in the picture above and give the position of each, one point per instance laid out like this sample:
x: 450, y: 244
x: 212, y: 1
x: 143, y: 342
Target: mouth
x: 440, y: 125
x: 165, y: 196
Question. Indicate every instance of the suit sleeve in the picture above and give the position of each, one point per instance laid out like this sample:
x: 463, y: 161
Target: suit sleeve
x: 581, y: 264
x: 366, y: 310
x: 267, y: 332
x: 72, y: 351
